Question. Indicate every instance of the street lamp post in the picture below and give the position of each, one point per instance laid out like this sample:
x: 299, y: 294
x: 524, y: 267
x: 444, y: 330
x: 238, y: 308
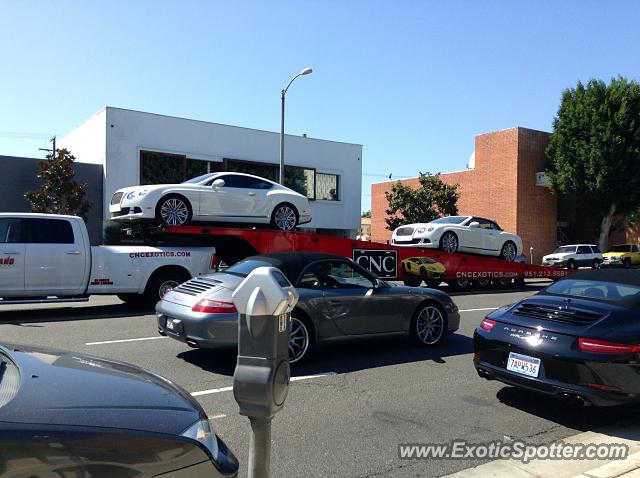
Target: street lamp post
x: 306, y: 71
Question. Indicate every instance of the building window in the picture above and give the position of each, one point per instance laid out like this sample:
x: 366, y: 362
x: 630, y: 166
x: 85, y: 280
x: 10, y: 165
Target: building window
x: 164, y: 168
x: 327, y: 187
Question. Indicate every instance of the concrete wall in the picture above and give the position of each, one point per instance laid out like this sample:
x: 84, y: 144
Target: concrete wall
x: 20, y: 177
x: 125, y: 133
x: 500, y: 187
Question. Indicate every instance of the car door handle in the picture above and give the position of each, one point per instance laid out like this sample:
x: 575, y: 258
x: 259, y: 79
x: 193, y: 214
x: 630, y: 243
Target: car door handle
x: 74, y: 253
x: 252, y: 194
x: 335, y: 302
x: 13, y: 253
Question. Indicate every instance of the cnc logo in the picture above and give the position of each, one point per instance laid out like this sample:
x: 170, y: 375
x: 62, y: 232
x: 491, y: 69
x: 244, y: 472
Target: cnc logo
x: 383, y: 263
x: 7, y: 261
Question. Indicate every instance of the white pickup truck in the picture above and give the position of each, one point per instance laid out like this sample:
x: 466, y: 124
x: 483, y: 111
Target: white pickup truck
x: 48, y: 258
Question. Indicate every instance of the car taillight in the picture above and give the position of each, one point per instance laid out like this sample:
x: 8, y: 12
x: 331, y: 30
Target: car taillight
x: 604, y: 388
x: 214, y: 307
x: 604, y: 347
x: 214, y: 263
x: 487, y: 324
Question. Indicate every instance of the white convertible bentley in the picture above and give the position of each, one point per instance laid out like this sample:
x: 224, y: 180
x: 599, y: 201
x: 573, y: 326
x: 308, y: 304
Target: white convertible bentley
x: 461, y: 233
x: 213, y: 197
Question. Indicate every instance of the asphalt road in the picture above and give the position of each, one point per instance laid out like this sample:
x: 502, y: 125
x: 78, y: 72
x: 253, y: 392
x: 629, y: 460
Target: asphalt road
x: 362, y: 400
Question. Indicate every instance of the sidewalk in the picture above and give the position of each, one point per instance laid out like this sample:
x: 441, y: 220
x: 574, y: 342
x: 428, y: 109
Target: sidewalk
x: 628, y: 468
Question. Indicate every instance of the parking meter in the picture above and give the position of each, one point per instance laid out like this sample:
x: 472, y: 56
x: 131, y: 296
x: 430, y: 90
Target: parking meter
x: 264, y: 299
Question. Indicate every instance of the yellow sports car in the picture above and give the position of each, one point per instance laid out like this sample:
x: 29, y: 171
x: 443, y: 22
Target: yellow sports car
x: 425, y: 268
x: 624, y: 255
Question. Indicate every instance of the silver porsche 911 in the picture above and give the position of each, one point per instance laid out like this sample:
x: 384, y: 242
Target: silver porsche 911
x: 338, y: 298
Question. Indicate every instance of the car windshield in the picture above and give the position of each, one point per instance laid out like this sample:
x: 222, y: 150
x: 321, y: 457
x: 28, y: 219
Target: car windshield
x: 565, y: 249
x: 450, y: 220
x: 199, y: 179
x: 620, y: 248
x: 592, y: 289
x: 244, y: 268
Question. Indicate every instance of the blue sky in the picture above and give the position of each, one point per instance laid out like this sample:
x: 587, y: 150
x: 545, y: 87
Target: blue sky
x: 412, y: 81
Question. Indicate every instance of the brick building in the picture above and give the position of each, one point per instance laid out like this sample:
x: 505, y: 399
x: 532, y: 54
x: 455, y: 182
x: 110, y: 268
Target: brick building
x: 500, y: 186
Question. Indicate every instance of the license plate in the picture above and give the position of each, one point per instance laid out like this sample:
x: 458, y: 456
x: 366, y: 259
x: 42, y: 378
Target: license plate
x: 523, y: 364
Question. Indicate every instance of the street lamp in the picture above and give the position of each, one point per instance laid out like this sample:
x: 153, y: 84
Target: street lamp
x: 306, y: 71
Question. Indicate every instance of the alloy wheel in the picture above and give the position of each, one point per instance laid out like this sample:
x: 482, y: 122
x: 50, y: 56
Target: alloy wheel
x: 285, y: 218
x: 174, y: 212
x: 299, y: 340
x: 449, y: 242
x: 430, y: 325
x: 509, y: 251
x: 166, y: 287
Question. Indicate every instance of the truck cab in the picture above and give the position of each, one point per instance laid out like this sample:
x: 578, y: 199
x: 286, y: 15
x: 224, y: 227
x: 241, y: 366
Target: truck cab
x: 43, y: 255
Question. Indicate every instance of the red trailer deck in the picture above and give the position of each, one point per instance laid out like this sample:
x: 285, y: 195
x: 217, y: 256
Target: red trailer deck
x: 409, y: 264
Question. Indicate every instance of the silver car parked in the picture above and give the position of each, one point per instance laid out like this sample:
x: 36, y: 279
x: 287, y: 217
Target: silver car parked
x: 338, y: 299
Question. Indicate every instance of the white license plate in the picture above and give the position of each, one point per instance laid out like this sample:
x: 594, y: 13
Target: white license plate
x: 523, y: 364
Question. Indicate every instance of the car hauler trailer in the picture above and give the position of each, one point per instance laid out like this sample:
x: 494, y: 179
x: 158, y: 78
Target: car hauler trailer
x: 412, y: 265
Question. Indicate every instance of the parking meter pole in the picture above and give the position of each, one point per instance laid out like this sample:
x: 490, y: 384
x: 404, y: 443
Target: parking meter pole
x: 260, y: 448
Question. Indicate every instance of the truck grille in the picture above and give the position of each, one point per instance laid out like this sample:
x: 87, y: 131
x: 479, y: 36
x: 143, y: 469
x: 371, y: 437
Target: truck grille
x: 116, y: 198
x: 404, y: 231
x: 555, y: 314
x: 198, y: 285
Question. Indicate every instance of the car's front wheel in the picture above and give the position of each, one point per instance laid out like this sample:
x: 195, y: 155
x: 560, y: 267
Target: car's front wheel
x: 449, y: 242
x: 284, y: 217
x: 571, y: 264
x: 509, y: 251
x: 595, y: 264
x: 429, y: 324
x: 301, y: 339
x: 627, y: 263
x: 173, y: 210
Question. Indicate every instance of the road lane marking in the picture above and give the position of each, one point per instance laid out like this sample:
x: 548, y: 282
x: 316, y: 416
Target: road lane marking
x: 222, y: 415
x: 478, y: 310
x: 293, y: 379
x: 125, y: 340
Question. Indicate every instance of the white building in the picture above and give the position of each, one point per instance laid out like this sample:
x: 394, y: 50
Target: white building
x: 144, y: 148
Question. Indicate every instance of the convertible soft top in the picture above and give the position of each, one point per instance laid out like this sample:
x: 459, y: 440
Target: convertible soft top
x: 293, y: 263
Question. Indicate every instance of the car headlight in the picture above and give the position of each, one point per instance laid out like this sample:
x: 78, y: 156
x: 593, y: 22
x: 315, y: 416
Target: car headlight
x: 430, y: 229
x: 201, y: 431
x: 420, y: 230
x: 133, y: 194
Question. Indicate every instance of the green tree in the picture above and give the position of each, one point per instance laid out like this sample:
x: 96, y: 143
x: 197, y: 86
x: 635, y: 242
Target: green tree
x: 59, y: 193
x: 434, y: 198
x: 366, y: 214
x: 594, y: 150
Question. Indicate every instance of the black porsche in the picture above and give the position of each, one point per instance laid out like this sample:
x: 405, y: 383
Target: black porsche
x: 578, y: 339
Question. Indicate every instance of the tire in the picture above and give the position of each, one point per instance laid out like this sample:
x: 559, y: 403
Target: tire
x: 412, y: 282
x: 627, y: 263
x: 284, y: 217
x: 449, y: 242
x: 504, y: 283
x: 595, y: 264
x: 571, y: 264
x: 509, y: 251
x: 300, y: 346
x: 429, y: 324
x: 173, y: 210
x: 460, y: 284
x: 483, y: 283
x: 132, y: 299
x: 160, y: 284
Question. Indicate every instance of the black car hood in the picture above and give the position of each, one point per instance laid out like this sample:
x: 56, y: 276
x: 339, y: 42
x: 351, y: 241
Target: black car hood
x: 65, y: 388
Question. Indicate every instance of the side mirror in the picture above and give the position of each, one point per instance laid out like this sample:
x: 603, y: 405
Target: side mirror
x: 218, y: 183
x: 474, y: 224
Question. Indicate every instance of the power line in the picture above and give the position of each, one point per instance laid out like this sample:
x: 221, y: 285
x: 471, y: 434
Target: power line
x: 20, y: 135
